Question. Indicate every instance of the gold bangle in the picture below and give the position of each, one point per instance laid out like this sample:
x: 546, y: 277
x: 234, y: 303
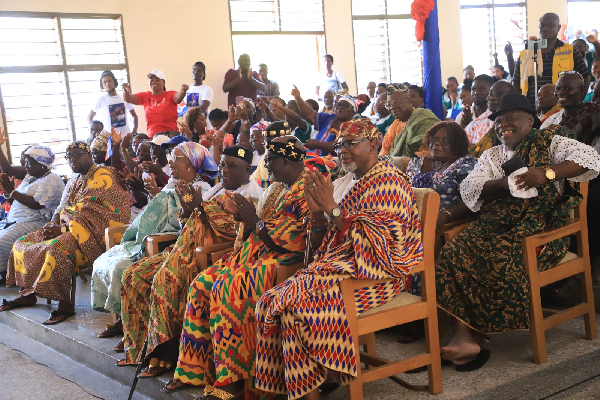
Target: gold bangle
x: 449, y: 213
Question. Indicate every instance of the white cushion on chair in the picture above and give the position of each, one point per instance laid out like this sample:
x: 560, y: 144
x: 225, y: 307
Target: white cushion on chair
x: 568, y: 257
x: 403, y: 299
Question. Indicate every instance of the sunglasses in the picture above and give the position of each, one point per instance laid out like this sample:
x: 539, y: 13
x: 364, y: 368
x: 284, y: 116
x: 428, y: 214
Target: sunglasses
x: 561, y: 73
x: 348, y: 144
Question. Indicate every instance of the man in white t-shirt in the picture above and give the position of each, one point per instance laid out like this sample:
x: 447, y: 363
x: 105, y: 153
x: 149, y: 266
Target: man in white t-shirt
x: 111, y: 109
x: 199, y: 94
x: 330, y: 79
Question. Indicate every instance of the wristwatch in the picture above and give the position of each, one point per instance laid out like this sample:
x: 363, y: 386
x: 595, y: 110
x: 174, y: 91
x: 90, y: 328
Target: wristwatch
x: 63, y: 229
x: 260, y: 225
x: 550, y: 174
x: 335, y: 212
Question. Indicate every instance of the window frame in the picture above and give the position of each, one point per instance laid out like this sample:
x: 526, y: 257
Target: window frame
x: 492, y: 5
x: 381, y: 17
x: 64, y: 67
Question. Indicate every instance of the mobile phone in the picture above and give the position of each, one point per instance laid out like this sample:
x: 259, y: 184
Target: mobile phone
x: 238, y: 99
x: 541, y: 44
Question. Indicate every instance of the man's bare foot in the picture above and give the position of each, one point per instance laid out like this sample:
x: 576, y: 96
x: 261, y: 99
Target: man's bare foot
x: 466, y: 350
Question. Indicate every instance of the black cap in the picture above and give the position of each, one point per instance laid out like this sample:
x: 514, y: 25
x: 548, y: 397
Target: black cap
x: 276, y: 129
x: 514, y: 101
x: 239, y: 152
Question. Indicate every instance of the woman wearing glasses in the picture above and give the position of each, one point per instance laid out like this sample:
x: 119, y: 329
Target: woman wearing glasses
x: 404, y: 137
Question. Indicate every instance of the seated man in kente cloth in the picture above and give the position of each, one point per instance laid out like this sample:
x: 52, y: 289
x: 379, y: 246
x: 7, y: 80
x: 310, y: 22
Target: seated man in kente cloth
x: 43, y: 262
x: 480, y: 277
x: 374, y: 234
x: 218, y: 343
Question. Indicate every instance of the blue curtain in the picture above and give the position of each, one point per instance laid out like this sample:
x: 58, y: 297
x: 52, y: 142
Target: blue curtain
x: 431, y: 65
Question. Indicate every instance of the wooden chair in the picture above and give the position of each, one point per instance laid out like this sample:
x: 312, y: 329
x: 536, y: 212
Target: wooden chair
x: 402, y: 309
x: 540, y: 320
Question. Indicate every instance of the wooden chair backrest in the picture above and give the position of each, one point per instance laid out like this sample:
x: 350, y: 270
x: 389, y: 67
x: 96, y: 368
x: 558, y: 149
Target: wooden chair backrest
x: 428, y: 205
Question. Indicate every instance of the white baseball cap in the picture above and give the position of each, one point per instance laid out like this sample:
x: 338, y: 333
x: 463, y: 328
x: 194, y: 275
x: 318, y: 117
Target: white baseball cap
x: 158, y: 73
x: 160, y: 139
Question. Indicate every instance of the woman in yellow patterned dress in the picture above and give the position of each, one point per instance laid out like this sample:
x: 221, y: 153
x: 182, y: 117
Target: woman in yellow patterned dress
x: 43, y: 262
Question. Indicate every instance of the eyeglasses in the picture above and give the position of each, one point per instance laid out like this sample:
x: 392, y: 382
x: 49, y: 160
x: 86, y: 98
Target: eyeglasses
x: 343, y: 105
x: 270, y: 159
x: 395, y: 103
x: 74, y: 156
x: 440, y: 141
x: 348, y: 144
x: 561, y: 73
x: 173, y: 158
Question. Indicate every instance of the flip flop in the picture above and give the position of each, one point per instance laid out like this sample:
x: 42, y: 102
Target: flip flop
x: 173, y: 381
x: 478, y: 362
x: 424, y: 368
x: 119, y: 347
x: 58, y: 317
x: 159, y: 367
x: 111, y: 330
x: 328, y: 387
x: 11, y: 304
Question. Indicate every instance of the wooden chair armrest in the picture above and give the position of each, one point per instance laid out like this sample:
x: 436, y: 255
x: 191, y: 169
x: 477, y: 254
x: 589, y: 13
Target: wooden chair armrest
x: 539, y: 239
x: 354, y: 284
x: 153, y: 241
x: 209, y: 253
x: 286, y: 271
x: 450, y: 233
x: 113, y: 235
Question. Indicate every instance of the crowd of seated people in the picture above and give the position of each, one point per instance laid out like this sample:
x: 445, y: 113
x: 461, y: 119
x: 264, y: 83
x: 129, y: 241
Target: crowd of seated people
x: 261, y: 173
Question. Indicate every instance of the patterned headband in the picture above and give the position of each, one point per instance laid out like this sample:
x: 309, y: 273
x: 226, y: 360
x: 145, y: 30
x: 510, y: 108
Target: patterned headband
x: 396, y: 87
x: 287, y: 150
x: 79, y: 145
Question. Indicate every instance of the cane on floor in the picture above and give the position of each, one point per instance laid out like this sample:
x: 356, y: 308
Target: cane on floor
x: 138, y: 369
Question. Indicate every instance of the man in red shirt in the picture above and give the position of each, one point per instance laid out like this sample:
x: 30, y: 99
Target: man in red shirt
x: 160, y: 105
x: 242, y: 81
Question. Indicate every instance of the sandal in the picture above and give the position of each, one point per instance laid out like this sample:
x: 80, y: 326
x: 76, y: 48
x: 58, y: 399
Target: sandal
x: 111, y: 330
x: 155, y: 368
x: 174, y: 385
x: 478, y: 362
x: 120, y: 347
x: 58, y: 316
x: 566, y: 288
x: 11, y: 304
x: 124, y: 363
x: 211, y: 391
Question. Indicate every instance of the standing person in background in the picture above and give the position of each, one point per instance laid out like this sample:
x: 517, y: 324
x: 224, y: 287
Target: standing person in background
x: 559, y: 56
x: 160, y: 105
x: 111, y: 109
x: 450, y: 98
x: 199, y: 94
x: 371, y: 86
x: 242, y: 82
x: 498, y: 69
x: 271, y: 87
x: 330, y: 79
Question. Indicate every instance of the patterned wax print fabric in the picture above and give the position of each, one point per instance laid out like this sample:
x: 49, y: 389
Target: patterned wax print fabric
x: 154, y: 289
x: 479, y: 127
x: 446, y: 183
x: 583, y: 123
x: 45, y: 267
x: 47, y: 191
x: 479, y: 273
x: 218, y: 342
x: 489, y: 140
x: 381, y: 239
x: 159, y: 217
x: 409, y: 141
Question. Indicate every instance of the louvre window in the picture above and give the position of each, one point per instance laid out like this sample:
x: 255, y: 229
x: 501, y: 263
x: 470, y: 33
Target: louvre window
x: 277, y: 15
x: 50, y: 66
x: 385, y: 47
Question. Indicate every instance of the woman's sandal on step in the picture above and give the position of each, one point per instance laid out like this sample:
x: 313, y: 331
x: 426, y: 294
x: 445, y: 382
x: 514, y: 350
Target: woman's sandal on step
x: 58, y: 316
x: 211, y: 391
x: 155, y: 368
x: 174, y: 385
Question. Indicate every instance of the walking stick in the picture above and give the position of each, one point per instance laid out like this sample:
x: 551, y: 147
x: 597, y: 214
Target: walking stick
x: 138, y: 369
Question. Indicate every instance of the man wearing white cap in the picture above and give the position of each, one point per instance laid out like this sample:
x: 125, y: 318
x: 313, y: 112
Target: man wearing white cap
x: 160, y: 105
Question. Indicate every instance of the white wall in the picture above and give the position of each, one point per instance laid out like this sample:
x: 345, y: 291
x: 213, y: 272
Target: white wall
x: 537, y: 8
x: 451, y: 54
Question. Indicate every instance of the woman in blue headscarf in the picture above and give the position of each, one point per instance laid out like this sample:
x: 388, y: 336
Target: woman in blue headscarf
x: 189, y: 161
x: 33, y: 202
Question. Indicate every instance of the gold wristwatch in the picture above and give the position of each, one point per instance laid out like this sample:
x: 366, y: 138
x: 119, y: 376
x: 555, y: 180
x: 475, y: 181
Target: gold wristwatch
x: 550, y: 174
x: 63, y: 229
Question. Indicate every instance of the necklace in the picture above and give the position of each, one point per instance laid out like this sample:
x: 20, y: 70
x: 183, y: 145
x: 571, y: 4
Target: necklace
x: 444, y: 165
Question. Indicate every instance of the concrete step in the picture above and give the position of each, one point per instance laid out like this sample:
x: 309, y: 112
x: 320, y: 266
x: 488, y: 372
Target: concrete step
x: 76, y: 339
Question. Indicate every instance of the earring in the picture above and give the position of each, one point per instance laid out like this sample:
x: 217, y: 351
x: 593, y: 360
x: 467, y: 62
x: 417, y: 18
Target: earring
x: 189, y: 169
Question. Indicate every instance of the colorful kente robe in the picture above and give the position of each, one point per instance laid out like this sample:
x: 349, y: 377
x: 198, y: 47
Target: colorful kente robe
x: 218, y: 342
x: 302, y: 323
x: 154, y: 289
x: 480, y: 275
x: 45, y: 267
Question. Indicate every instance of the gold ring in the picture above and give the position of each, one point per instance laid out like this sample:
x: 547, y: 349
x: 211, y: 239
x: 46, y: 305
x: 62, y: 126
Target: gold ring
x: 188, y: 198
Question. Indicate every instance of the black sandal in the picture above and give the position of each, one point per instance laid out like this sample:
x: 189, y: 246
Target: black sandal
x: 58, y: 317
x: 478, y: 362
x: 11, y: 304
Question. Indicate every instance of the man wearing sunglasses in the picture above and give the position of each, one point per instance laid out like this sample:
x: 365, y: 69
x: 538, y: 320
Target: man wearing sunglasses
x: 366, y: 225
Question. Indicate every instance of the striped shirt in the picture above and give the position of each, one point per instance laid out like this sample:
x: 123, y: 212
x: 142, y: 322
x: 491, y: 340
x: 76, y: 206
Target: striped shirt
x: 271, y: 89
